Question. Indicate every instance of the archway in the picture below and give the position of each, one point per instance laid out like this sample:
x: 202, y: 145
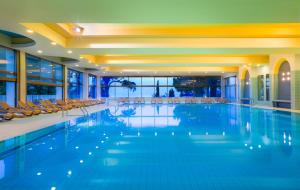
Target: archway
x: 246, y: 85
x: 284, y: 82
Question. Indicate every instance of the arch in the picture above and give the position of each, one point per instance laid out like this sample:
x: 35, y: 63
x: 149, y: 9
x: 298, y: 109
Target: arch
x: 244, y: 73
x: 278, y: 64
x: 284, y: 81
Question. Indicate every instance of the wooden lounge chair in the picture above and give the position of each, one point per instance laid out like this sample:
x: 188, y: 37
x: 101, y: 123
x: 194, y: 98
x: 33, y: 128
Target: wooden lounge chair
x: 5, y: 115
x: 63, y: 105
x: 47, y: 106
x: 194, y: 100
x: 188, y: 100
x: 73, y: 103
x: 38, y: 107
x: 176, y: 100
x: 138, y: 100
x: 16, y: 111
x: 24, y: 106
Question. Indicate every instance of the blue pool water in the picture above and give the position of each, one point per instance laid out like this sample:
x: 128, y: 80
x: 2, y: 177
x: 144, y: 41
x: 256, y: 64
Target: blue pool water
x: 151, y: 147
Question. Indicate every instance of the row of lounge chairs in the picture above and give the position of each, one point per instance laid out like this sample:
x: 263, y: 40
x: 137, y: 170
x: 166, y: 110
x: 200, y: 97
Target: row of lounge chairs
x: 175, y: 100
x: 42, y: 107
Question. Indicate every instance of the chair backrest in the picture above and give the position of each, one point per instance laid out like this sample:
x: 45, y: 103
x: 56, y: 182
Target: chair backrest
x: 4, y: 105
x: 22, y: 104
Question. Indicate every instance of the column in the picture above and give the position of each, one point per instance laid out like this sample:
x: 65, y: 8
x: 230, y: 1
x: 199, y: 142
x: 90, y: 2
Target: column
x: 65, y: 82
x: 98, y: 89
x: 21, y: 79
x: 295, y: 84
x: 85, y: 86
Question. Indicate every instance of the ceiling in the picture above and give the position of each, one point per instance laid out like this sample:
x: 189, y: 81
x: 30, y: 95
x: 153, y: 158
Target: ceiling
x: 158, y: 36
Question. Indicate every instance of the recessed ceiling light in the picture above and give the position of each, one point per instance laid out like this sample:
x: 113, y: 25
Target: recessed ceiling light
x: 53, y: 43
x: 29, y: 31
x: 77, y: 65
x: 78, y: 29
x: 69, y: 51
x: 39, y: 51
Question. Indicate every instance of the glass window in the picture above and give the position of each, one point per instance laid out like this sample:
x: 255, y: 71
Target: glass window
x: 148, y: 91
x: 74, y: 84
x: 260, y: 87
x: 44, y: 79
x: 268, y: 86
x: 136, y: 80
x: 121, y: 92
x: 8, y: 76
x: 230, y: 88
x: 208, y: 86
x: 162, y: 81
x: 148, y: 81
x: 92, y: 86
x: 137, y: 92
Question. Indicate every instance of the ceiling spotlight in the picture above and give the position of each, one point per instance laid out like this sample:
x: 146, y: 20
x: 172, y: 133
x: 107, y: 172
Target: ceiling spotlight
x: 78, y: 29
x: 53, y: 43
x: 29, y: 31
x: 40, y: 51
x: 77, y: 65
x: 69, y: 51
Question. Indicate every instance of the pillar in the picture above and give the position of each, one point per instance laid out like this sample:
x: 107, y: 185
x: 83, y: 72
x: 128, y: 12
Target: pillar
x: 85, y: 85
x: 295, y: 84
x: 98, y: 89
x: 21, y: 79
x: 65, y: 82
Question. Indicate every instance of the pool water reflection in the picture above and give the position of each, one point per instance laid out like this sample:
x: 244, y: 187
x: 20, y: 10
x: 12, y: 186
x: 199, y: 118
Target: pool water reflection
x: 160, y: 147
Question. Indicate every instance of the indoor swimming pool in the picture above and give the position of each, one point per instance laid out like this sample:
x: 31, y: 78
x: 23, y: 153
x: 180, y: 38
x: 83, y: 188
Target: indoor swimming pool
x: 151, y: 147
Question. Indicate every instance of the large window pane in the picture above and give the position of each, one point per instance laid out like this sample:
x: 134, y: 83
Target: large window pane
x: 135, y: 93
x: 208, y: 86
x: 148, y: 91
x: 162, y: 81
x: 148, y: 81
x: 136, y: 80
x: 121, y: 92
x: 43, y: 92
x: 260, y: 87
x: 74, y: 84
x: 230, y: 88
x: 8, y: 76
x: 7, y: 92
x: 44, y: 79
x: 268, y: 86
x: 92, y: 86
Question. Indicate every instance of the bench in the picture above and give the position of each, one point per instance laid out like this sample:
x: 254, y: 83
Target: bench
x: 282, y: 103
x: 246, y: 101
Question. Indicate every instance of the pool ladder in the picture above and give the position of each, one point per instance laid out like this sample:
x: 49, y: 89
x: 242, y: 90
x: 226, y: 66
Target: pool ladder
x: 82, y: 109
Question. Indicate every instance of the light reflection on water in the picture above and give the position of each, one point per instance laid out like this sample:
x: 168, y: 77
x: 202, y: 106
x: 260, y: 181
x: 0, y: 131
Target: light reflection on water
x: 133, y: 146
